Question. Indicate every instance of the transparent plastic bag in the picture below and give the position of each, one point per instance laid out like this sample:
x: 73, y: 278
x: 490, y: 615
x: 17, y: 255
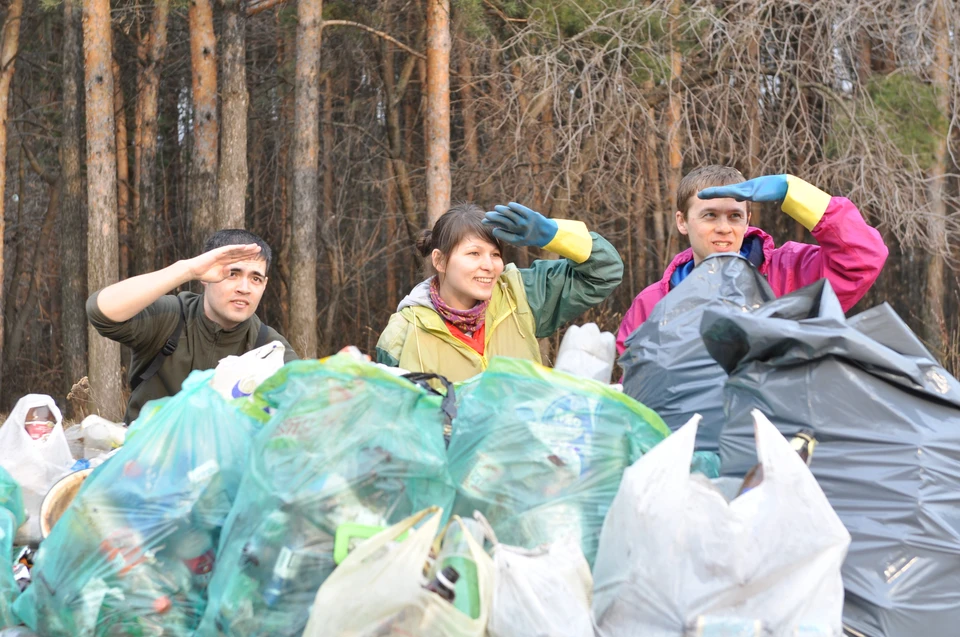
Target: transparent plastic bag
x: 347, y: 444
x: 11, y: 517
x: 540, y: 453
x: 133, y: 553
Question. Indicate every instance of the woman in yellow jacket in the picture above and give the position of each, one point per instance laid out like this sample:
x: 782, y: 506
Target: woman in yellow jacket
x: 473, y: 307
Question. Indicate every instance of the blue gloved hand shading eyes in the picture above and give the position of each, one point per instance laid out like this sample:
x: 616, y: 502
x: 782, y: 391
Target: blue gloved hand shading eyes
x: 520, y: 226
x: 769, y: 188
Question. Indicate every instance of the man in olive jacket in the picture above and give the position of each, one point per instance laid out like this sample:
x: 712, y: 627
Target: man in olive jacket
x: 173, y: 335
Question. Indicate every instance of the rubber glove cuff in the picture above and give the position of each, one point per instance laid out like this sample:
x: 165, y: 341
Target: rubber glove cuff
x: 804, y: 202
x: 572, y: 240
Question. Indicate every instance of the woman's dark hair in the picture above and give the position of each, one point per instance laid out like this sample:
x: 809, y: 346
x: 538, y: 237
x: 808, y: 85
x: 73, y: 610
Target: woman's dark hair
x: 460, y: 222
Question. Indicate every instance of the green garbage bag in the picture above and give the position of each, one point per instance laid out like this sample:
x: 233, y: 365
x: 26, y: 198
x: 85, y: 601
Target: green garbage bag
x: 541, y: 453
x: 11, y: 517
x: 348, y: 445
x: 133, y: 553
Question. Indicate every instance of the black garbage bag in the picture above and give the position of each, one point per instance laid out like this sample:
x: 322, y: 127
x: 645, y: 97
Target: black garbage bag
x: 887, y: 418
x: 666, y: 366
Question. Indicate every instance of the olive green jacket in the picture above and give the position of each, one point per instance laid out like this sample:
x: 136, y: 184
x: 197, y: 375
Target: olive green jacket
x: 202, y: 343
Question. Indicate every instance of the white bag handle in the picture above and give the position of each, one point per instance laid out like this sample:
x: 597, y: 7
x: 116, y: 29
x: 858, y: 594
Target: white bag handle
x: 381, y: 539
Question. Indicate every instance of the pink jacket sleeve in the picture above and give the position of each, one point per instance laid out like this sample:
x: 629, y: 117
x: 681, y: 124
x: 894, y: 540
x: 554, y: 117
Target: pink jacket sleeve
x: 638, y: 313
x: 850, y: 255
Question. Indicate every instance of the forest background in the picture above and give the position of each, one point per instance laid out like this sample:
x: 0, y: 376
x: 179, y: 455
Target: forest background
x: 337, y: 129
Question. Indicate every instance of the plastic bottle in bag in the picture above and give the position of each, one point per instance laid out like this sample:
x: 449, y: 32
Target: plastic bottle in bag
x: 455, y: 553
x: 195, y: 549
x: 285, y: 571
x: 261, y: 550
x: 444, y: 584
x: 803, y: 443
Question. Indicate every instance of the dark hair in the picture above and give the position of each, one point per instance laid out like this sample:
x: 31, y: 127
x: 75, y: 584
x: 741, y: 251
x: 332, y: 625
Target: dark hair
x: 460, y: 222
x: 235, y: 236
x: 704, y: 177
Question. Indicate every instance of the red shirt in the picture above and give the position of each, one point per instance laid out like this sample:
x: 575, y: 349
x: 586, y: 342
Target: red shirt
x: 475, y: 342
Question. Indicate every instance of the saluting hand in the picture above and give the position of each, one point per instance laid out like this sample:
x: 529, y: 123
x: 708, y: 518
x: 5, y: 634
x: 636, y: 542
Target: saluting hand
x: 214, y: 266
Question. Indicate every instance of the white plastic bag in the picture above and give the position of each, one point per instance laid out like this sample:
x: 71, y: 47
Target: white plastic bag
x: 101, y: 436
x: 587, y: 352
x: 239, y: 376
x: 541, y: 592
x: 675, y: 555
x: 35, y: 464
x: 378, y: 589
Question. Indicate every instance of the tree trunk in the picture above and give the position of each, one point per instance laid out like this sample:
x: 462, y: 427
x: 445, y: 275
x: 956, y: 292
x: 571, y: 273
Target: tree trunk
x: 395, y: 91
x: 753, y: 97
x: 41, y: 251
x: 203, y: 165
x: 934, y: 319
x: 471, y: 146
x: 8, y: 56
x: 330, y: 229
x: 147, y: 109
x: 231, y: 200
x: 673, y: 125
x: 437, y: 123
x: 104, y: 355
x: 306, y: 149
x: 285, y: 45
x: 123, y: 171
x: 73, y: 254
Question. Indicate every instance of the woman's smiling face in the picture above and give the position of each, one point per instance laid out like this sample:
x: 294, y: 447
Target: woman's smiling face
x: 469, y: 272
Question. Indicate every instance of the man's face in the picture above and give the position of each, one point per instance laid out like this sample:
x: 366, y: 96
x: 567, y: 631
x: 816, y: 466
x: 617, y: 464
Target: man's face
x: 235, y: 299
x: 714, y: 225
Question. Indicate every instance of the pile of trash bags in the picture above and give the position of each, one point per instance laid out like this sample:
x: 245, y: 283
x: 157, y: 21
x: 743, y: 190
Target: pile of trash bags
x: 887, y: 418
x: 341, y: 497
x: 348, y: 450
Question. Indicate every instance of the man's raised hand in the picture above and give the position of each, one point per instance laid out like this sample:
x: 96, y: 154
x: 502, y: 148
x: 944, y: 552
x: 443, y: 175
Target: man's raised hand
x: 214, y: 266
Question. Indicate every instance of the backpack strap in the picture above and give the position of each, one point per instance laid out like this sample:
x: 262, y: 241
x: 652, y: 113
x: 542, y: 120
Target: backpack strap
x: 168, y: 348
x: 261, y: 336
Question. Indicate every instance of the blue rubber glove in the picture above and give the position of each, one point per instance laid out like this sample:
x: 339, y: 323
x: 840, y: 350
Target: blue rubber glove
x: 520, y: 226
x: 770, y: 188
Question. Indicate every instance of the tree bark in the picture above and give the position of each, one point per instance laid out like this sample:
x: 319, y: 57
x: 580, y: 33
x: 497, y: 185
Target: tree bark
x: 102, y: 266
x: 306, y: 149
x: 471, y: 146
x: 8, y: 56
x: 934, y: 322
x: 203, y: 165
x: 330, y: 235
x: 437, y: 123
x: 232, y: 183
x: 41, y: 251
x: 148, y: 98
x: 673, y: 124
x: 395, y: 91
x: 123, y: 171
x: 286, y: 44
x: 73, y: 254
x: 753, y: 105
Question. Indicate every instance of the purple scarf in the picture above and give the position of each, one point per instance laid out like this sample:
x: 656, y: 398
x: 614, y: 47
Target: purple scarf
x: 467, y: 321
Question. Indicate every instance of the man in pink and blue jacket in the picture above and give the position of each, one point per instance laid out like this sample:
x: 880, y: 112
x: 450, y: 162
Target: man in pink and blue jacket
x: 715, y: 217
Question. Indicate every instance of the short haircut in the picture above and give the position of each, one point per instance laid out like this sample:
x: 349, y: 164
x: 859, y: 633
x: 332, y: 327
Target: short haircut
x: 704, y: 177
x: 235, y: 236
x: 460, y: 222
